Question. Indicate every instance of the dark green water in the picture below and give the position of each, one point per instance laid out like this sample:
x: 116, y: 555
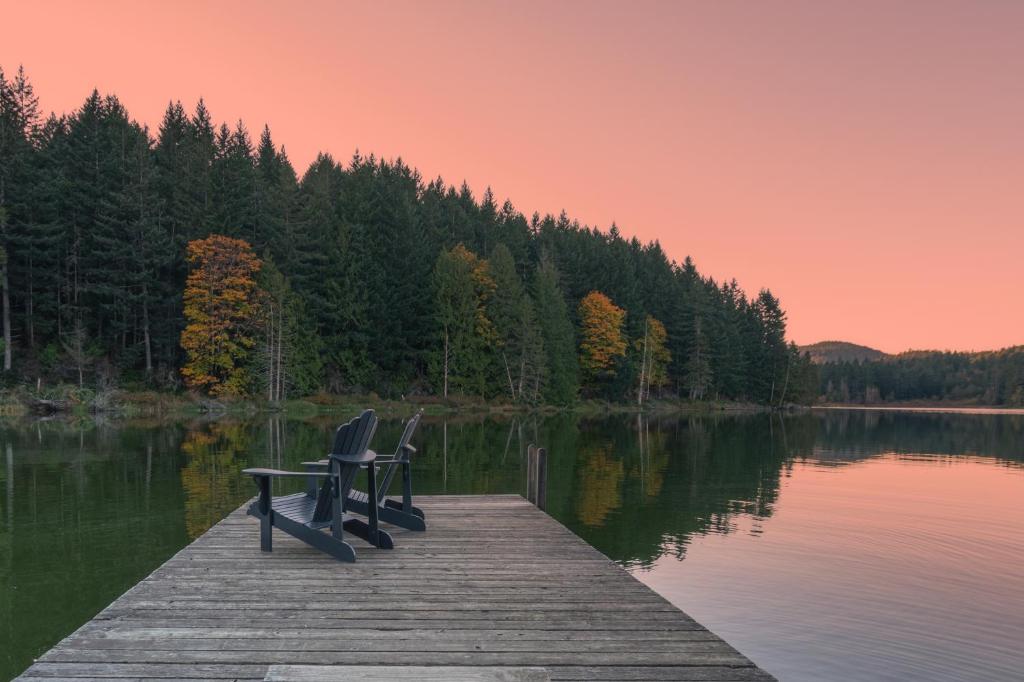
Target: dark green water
x: 832, y: 545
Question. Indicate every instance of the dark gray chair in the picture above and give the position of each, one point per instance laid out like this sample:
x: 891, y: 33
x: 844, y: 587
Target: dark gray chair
x: 305, y: 516
x: 399, y: 513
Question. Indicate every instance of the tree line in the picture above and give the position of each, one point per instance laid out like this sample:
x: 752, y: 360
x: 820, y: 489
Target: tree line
x: 358, y: 277
x: 986, y: 378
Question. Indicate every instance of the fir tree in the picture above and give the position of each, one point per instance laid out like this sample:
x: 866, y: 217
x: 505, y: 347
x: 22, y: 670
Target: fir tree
x: 560, y: 379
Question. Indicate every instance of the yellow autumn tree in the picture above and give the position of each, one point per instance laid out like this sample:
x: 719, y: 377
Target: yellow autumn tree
x: 221, y: 306
x: 601, y: 338
x: 463, y: 286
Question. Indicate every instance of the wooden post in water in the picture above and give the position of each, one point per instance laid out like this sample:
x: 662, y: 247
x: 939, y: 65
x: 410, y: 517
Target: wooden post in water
x: 537, y: 475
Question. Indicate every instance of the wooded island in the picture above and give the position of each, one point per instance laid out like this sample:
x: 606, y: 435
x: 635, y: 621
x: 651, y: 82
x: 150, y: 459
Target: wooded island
x: 194, y: 259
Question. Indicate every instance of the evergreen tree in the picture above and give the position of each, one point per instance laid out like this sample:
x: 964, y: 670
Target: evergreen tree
x: 698, y: 367
x: 325, y: 276
x: 19, y: 136
x: 560, y: 378
x: 234, y: 187
x: 519, y: 346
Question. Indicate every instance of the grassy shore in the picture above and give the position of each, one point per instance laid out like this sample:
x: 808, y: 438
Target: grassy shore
x: 115, y: 403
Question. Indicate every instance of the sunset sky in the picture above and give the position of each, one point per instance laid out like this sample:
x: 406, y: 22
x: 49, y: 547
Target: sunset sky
x: 863, y: 160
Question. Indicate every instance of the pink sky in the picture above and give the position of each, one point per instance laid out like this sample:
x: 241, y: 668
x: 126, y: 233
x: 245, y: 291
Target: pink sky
x: 863, y: 160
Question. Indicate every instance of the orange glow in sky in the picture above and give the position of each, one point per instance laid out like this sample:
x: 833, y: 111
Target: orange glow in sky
x: 863, y: 160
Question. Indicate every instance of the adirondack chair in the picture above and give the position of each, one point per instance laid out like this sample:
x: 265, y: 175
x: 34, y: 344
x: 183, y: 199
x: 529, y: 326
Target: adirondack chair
x: 306, y: 517
x: 399, y: 513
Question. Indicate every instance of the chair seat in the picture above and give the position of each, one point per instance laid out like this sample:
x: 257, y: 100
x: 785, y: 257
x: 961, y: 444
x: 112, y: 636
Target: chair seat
x: 358, y: 496
x: 299, y: 507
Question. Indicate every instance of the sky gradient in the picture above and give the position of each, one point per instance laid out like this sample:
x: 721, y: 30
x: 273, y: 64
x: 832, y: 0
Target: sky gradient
x: 863, y: 160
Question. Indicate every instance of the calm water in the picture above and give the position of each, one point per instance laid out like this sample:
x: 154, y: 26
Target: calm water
x: 831, y: 545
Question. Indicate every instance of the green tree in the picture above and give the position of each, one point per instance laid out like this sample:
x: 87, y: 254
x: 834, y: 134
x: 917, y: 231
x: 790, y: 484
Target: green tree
x: 290, y: 349
x: 233, y: 186
x: 698, y: 367
x: 560, y: 378
x: 462, y: 287
x: 519, y: 345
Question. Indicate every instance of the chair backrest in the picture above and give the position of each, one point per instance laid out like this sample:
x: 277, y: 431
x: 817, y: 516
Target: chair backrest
x: 352, y: 438
x: 401, y: 454
x: 410, y: 427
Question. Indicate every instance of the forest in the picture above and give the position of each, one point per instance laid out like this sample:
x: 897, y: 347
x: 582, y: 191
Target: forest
x: 196, y: 258
x: 985, y: 378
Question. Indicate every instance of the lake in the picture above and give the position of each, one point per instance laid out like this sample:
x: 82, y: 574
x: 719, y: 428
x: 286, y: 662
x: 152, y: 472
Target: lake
x: 853, y: 545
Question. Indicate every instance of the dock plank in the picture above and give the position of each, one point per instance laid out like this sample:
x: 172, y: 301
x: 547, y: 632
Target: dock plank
x: 494, y: 584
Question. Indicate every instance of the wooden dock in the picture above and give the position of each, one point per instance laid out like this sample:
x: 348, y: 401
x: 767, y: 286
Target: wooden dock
x: 494, y: 584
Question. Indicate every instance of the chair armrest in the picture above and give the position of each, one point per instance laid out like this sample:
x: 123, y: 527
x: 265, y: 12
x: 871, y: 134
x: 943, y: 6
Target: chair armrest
x: 277, y: 473
x: 320, y: 463
x: 410, y: 449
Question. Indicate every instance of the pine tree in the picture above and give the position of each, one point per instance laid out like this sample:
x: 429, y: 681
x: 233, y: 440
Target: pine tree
x: 698, y: 367
x: 560, y: 378
x: 234, y: 186
x: 518, y: 344
x: 19, y: 131
x: 324, y: 275
x: 277, y: 198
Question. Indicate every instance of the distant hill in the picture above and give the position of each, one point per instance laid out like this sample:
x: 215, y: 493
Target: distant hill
x: 992, y: 378
x: 841, y: 351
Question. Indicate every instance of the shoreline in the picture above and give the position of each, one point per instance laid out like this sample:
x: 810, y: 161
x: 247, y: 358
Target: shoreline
x: 926, y: 409
x: 134, y: 404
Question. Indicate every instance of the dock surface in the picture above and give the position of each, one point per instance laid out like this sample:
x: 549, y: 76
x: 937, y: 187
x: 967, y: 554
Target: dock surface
x: 494, y: 582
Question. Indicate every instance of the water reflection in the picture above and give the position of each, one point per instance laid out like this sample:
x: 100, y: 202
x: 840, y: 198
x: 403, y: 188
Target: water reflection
x: 89, y: 508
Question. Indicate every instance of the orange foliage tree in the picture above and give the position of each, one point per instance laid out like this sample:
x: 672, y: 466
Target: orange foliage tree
x: 221, y: 307
x: 601, y: 338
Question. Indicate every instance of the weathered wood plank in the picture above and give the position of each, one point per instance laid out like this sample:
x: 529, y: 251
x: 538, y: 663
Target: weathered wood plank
x: 428, y: 642
x: 343, y: 656
x: 458, y: 596
x: 124, y: 630
x: 345, y: 673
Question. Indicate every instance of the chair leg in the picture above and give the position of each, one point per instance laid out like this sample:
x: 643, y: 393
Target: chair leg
x: 315, y: 538
x: 265, y: 514
x: 337, y: 510
x: 406, y: 487
x: 372, y: 502
x: 361, y: 529
x: 388, y: 512
x: 397, y: 506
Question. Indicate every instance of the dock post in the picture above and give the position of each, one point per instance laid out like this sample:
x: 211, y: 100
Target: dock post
x: 537, y: 476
